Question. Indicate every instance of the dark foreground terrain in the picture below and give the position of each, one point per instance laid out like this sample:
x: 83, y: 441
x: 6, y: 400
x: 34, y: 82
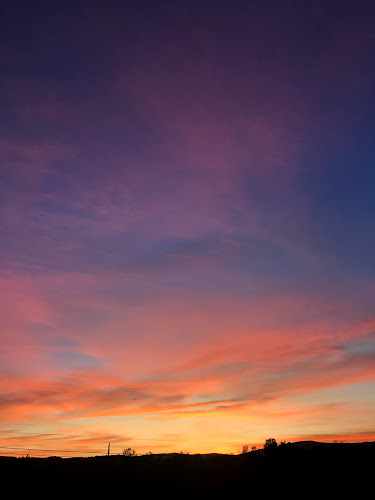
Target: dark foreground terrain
x: 296, y: 470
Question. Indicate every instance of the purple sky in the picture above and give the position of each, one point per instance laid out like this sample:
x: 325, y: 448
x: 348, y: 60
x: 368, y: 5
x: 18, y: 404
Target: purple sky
x: 187, y: 223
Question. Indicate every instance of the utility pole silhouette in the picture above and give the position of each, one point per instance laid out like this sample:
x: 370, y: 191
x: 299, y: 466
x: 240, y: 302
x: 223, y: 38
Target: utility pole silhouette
x: 109, y: 447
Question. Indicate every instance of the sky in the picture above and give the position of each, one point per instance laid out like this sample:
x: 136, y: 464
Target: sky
x: 186, y: 224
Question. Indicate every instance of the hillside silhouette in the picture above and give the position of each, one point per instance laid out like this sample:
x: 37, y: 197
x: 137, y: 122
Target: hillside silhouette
x: 327, y: 470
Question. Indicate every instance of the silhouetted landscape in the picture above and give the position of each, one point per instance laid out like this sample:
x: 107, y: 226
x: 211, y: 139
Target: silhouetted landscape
x: 292, y: 468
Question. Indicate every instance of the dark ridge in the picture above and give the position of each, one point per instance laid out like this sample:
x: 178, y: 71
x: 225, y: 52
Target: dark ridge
x: 296, y: 468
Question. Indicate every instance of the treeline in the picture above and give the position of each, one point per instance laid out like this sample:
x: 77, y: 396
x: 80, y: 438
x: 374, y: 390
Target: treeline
x: 291, y: 468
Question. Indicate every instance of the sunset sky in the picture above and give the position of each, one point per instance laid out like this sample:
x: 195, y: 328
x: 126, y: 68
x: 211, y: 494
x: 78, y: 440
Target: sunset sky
x: 187, y: 224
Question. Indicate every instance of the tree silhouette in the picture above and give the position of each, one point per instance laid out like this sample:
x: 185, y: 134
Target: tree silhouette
x: 129, y: 452
x: 270, y: 445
